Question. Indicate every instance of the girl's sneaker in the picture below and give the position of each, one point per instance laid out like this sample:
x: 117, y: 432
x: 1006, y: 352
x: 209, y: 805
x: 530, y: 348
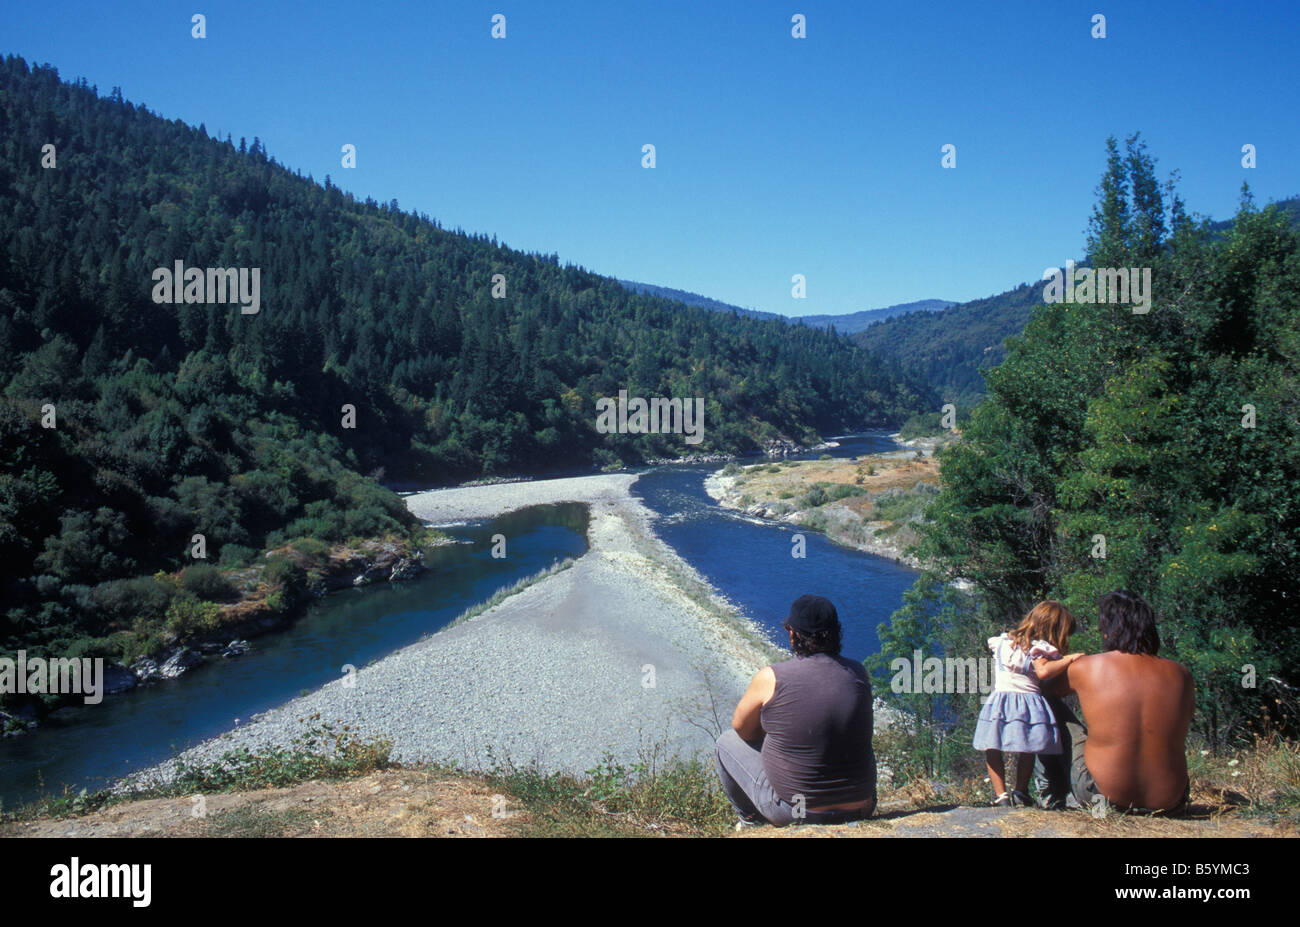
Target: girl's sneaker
x: 1002, y: 801
x: 1020, y: 800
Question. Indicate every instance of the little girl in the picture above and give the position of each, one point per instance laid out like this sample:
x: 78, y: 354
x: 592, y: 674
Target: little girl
x: 1017, y: 718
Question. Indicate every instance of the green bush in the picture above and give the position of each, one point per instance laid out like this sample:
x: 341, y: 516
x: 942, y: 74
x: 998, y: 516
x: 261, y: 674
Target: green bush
x: 120, y: 603
x: 903, y: 506
x: 813, y: 498
x: 234, y: 556
x: 843, y: 491
x: 204, y: 581
x: 284, y: 573
x: 314, y: 548
x: 188, y: 616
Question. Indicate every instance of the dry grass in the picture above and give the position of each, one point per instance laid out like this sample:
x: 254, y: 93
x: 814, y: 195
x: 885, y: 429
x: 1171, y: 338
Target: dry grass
x: 390, y: 803
x: 768, y: 481
x: 1261, y: 779
x: 439, y: 802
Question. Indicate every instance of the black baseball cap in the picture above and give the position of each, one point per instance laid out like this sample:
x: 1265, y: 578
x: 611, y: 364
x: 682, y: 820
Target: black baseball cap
x: 812, y: 613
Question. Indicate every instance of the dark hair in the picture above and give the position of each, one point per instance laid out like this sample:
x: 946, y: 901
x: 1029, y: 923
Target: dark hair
x: 805, y: 645
x: 1127, y: 623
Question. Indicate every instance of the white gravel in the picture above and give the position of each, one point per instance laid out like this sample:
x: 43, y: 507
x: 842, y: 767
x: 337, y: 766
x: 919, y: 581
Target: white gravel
x: 626, y: 649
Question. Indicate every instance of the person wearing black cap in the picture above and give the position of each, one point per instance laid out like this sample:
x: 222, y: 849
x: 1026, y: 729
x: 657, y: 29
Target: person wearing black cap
x: 800, y: 744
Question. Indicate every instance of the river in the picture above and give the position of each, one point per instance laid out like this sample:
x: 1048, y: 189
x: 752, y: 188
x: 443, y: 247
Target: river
x: 747, y: 560
x: 750, y: 562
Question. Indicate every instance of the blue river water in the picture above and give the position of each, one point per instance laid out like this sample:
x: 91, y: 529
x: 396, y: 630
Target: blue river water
x: 748, y: 561
x: 751, y: 562
x: 86, y: 747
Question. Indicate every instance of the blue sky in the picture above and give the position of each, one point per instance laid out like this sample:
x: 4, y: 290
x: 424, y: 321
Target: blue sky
x: 775, y: 155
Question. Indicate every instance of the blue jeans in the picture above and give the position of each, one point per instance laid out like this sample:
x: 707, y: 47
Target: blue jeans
x: 740, y: 767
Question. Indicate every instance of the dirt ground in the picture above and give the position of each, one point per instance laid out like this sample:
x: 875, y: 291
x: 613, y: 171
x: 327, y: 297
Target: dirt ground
x: 414, y: 803
x: 392, y: 803
x: 891, y: 472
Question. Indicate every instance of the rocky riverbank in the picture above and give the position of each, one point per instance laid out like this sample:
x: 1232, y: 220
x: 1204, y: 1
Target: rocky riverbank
x: 262, y: 603
x: 626, y: 653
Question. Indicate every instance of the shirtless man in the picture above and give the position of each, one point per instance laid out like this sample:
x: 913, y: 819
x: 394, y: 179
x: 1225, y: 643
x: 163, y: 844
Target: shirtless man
x: 1138, y: 707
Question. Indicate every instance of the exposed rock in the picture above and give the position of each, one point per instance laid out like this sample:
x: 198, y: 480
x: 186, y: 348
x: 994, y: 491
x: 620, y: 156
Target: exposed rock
x: 145, y: 670
x: 405, y: 568
x: 779, y: 447
x: 179, y: 662
x: 236, y: 648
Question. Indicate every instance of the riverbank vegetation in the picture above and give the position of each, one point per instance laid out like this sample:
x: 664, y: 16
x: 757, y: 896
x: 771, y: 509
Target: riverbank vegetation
x: 1156, y: 452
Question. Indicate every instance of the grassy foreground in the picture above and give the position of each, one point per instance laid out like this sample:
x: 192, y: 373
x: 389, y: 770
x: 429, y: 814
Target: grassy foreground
x: 334, y: 782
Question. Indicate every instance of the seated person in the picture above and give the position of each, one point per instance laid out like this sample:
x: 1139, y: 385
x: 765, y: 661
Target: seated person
x: 1138, y: 709
x: 800, y: 744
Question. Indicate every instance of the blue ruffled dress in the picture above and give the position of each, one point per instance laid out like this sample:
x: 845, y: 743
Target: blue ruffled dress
x: 1016, y: 718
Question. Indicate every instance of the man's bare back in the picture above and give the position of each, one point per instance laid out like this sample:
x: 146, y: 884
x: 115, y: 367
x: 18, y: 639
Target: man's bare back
x: 1138, y: 708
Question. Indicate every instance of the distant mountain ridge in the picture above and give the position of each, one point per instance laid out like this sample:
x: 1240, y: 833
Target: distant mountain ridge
x: 695, y: 299
x: 845, y: 323
x: 853, y: 322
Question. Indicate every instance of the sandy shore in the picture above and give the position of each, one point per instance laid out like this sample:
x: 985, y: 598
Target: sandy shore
x: 626, y: 649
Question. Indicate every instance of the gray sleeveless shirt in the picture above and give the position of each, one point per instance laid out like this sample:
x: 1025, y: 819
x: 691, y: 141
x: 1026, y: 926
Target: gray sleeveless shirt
x: 817, y: 731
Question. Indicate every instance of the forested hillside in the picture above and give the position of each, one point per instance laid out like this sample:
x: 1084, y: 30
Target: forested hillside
x: 1157, y: 452
x: 949, y: 348
x: 126, y: 425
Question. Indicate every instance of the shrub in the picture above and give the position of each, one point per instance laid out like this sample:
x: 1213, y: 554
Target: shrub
x: 234, y: 556
x: 204, y: 581
x: 902, y: 506
x: 813, y: 498
x: 283, y: 573
x: 122, y: 602
x: 314, y: 548
x: 188, y: 616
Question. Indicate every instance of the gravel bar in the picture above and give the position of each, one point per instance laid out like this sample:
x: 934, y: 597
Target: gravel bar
x: 627, y: 649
